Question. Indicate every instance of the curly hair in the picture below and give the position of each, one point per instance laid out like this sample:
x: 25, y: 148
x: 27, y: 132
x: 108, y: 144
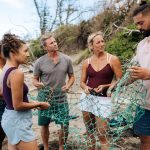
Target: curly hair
x: 10, y: 43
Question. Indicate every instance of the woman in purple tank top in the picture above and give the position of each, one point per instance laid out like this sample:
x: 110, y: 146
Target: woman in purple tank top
x: 97, y: 75
x: 17, y: 117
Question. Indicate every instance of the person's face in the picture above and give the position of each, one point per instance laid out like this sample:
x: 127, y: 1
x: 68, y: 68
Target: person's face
x: 22, y: 55
x: 98, y: 44
x: 51, y: 45
x: 142, y: 22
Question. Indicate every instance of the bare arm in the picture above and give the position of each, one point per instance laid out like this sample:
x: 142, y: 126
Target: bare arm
x: 37, y: 83
x: 84, y: 77
x: 116, y: 66
x: 140, y: 73
x: 16, y: 80
x: 69, y: 82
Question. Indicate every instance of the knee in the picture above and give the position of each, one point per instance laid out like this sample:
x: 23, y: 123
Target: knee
x: 103, y: 139
x: 101, y: 132
x: 90, y: 129
x: 45, y: 129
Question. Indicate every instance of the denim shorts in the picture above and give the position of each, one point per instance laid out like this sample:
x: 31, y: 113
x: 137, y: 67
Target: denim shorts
x: 17, y: 126
x: 141, y: 127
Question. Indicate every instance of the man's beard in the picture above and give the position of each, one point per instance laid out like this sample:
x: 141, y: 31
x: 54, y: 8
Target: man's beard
x: 145, y: 33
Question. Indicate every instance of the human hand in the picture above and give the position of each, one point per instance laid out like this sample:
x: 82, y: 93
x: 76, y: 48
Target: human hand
x: 65, y: 88
x: 112, y: 88
x: 87, y: 90
x: 140, y: 73
x: 34, y: 102
x: 99, y: 89
x: 39, y: 85
x: 43, y: 105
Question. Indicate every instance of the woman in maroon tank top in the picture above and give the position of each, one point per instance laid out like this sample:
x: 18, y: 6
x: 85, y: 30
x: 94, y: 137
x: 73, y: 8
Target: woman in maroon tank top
x: 97, y: 75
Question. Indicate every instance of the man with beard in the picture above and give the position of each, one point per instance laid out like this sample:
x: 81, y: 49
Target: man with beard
x: 141, y: 17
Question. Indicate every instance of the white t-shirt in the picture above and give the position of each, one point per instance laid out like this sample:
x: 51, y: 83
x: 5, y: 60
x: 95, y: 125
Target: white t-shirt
x: 143, y: 57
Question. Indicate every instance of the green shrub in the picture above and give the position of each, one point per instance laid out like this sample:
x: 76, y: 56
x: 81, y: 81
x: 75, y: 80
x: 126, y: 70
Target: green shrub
x: 36, y: 49
x: 124, y: 44
x: 66, y: 37
x: 82, y: 56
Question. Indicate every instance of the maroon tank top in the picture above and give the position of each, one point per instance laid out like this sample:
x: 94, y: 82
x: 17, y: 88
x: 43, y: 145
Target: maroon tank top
x: 96, y: 78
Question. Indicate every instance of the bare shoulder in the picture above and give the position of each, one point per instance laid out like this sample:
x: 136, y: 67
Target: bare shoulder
x: 114, y: 59
x: 86, y: 62
x: 17, y: 75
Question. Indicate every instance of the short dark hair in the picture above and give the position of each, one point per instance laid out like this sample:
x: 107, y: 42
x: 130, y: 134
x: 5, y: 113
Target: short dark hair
x: 10, y: 43
x: 144, y: 9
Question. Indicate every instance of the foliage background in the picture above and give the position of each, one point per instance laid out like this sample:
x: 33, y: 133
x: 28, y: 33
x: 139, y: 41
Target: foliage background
x: 120, y: 34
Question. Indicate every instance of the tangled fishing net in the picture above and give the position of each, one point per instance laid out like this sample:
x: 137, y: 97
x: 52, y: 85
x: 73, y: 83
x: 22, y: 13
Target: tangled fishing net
x: 127, y: 96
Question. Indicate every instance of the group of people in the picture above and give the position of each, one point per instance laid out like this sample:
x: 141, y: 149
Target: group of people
x: 99, y: 73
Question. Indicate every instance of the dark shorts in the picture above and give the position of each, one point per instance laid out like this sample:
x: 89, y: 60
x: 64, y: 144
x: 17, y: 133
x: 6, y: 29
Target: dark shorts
x: 2, y: 108
x: 58, y: 111
x: 142, y: 124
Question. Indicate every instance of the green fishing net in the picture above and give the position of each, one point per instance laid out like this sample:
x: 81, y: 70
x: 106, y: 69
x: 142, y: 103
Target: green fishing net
x: 67, y: 107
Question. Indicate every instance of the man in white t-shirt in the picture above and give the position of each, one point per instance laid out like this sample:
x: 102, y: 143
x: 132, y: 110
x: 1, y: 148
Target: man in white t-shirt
x: 141, y: 17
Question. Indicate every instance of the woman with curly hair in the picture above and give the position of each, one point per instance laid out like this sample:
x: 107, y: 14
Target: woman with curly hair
x: 17, y: 117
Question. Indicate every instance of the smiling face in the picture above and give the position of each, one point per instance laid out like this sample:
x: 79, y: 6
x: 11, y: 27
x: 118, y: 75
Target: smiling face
x: 98, y: 44
x: 51, y: 45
